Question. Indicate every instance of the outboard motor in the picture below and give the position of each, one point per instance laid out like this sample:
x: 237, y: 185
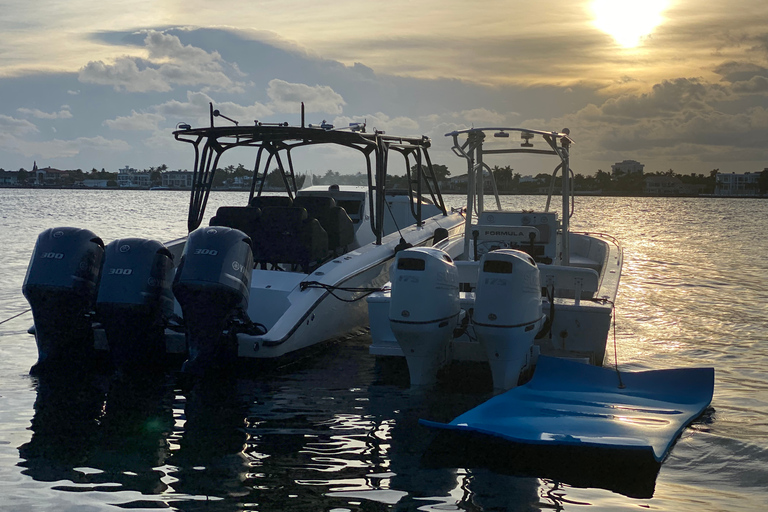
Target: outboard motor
x: 212, y: 285
x: 507, y: 313
x: 60, y: 285
x: 424, y: 309
x: 135, y: 301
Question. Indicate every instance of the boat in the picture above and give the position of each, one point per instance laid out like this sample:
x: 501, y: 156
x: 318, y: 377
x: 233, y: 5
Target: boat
x: 511, y: 286
x: 264, y: 279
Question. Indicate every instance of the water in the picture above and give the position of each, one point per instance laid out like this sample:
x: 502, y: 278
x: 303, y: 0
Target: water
x: 333, y: 432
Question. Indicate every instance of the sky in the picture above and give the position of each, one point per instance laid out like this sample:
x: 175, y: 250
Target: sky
x: 673, y: 84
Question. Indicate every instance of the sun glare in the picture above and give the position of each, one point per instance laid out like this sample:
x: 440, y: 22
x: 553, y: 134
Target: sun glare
x: 628, y: 21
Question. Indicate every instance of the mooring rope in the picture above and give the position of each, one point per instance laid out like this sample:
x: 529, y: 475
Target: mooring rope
x: 330, y: 289
x: 616, y: 351
x: 16, y: 316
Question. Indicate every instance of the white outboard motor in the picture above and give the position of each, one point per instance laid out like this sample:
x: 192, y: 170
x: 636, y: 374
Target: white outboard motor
x: 61, y: 284
x: 507, y: 313
x: 424, y: 309
x: 212, y: 285
x: 135, y: 302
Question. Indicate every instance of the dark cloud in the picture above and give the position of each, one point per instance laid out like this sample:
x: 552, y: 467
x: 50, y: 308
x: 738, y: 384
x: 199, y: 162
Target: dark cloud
x: 733, y: 71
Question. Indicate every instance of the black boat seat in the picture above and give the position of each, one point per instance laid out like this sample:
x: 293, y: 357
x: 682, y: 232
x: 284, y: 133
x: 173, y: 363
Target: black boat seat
x: 266, y: 201
x: 244, y: 218
x: 333, y: 219
x: 288, y: 235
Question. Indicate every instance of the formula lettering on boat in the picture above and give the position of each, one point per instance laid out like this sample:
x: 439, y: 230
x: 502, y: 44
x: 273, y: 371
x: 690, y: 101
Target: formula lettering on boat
x: 492, y: 232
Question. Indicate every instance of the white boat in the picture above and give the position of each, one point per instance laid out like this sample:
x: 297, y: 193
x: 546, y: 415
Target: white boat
x: 263, y: 279
x: 513, y: 285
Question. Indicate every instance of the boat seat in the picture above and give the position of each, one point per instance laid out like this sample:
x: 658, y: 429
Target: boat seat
x: 267, y: 201
x: 244, y: 218
x: 333, y: 219
x: 570, y: 282
x: 286, y: 234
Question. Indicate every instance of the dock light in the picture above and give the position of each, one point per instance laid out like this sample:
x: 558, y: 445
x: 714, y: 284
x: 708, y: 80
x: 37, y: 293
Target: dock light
x: 183, y: 126
x: 501, y: 134
x: 526, y: 136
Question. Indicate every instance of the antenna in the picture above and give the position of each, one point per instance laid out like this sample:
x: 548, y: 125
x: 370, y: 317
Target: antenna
x: 216, y: 113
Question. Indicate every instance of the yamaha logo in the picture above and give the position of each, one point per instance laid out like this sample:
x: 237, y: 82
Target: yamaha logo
x: 125, y: 248
x: 211, y: 232
x: 58, y: 234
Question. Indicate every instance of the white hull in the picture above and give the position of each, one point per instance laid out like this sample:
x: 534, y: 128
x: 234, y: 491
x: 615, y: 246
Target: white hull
x: 297, y: 319
x: 579, y: 330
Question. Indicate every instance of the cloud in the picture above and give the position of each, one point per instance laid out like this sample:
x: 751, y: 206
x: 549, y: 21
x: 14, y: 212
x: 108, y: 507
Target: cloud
x: 481, y: 116
x: 665, y: 98
x: 287, y: 97
x: 756, y: 84
x: 10, y: 126
x: 196, y: 109
x: 733, y: 71
x: 681, y: 122
x: 64, y: 113
x: 169, y: 63
x: 124, y: 75
x: 136, y: 121
x: 58, y: 148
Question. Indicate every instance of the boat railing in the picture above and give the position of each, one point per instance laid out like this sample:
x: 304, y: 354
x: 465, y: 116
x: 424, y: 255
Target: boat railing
x: 469, y: 145
x: 274, y: 144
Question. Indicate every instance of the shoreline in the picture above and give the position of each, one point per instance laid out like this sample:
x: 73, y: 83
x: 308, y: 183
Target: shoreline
x: 458, y: 192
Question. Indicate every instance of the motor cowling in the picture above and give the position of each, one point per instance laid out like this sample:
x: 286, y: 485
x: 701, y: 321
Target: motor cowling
x: 135, y: 302
x: 423, y: 309
x: 507, y: 312
x: 61, y: 285
x: 212, y: 286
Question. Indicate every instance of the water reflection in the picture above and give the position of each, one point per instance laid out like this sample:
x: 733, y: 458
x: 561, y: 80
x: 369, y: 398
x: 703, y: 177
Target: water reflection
x: 98, y: 433
x: 210, y: 459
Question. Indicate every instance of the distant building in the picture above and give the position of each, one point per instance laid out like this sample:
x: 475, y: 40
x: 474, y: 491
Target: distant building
x: 177, y: 179
x: 49, y: 176
x: 9, y: 178
x: 670, y: 186
x: 460, y: 182
x: 733, y: 184
x: 128, y: 177
x: 90, y: 183
x: 626, y: 168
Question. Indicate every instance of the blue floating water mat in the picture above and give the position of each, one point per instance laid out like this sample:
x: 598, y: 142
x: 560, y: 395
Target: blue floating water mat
x: 568, y: 403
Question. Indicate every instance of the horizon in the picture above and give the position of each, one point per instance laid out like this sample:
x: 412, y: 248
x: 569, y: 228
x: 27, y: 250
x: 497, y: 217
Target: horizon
x: 673, y: 84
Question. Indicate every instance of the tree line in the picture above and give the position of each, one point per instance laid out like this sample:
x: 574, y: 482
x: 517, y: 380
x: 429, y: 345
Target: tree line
x: 507, y: 180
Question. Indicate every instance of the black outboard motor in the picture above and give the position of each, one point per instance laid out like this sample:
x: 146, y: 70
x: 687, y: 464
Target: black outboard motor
x: 61, y: 284
x: 135, y: 302
x: 212, y: 285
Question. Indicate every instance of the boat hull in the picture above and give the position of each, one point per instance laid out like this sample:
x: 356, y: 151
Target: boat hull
x: 322, y: 310
x: 579, y: 328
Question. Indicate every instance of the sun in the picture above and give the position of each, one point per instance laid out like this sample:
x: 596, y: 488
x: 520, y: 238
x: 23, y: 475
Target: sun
x: 628, y: 21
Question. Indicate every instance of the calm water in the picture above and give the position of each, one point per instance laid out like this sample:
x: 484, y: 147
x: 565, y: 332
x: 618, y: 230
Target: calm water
x: 333, y: 432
